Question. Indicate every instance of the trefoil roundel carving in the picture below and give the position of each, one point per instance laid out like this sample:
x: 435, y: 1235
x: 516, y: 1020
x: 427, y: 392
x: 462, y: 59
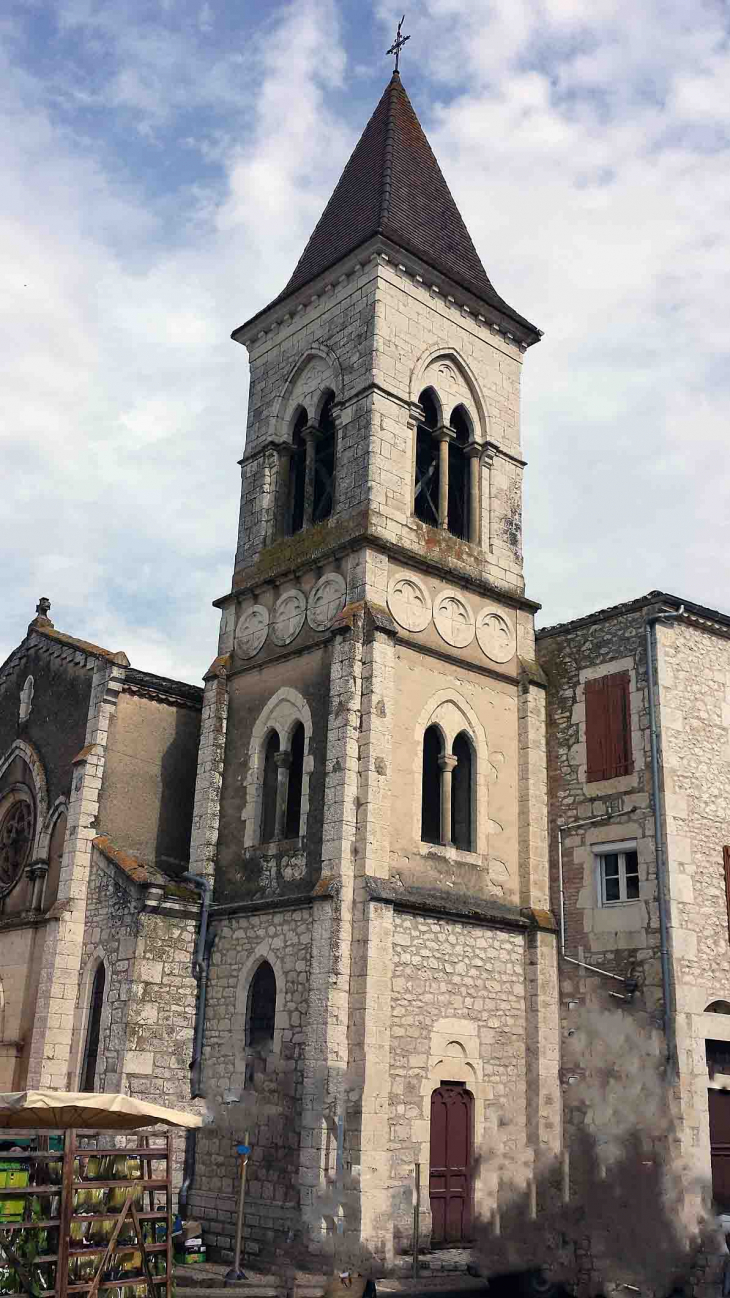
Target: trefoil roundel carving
x: 454, y: 619
x: 251, y: 632
x: 409, y: 602
x: 496, y: 635
x: 326, y: 599
x: 288, y: 617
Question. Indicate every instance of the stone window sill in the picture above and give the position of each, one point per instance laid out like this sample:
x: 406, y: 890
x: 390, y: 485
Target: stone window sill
x: 450, y: 853
x: 275, y: 845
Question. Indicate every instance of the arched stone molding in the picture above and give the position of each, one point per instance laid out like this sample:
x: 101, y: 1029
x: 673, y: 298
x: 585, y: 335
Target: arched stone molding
x: 81, y: 1015
x: 421, y: 378
x: 318, y: 371
x: 32, y: 759
x: 59, y: 808
x: 454, y: 1056
x: 282, y: 713
x: 453, y: 715
x: 262, y: 953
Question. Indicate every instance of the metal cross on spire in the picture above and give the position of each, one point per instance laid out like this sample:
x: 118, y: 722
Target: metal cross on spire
x: 398, y: 43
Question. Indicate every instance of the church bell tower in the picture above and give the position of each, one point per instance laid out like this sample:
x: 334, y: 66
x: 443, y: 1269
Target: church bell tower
x: 371, y: 797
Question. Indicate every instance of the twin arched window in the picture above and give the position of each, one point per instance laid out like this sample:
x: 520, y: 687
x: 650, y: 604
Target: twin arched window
x: 447, y: 791
x: 283, y: 780
x: 309, y: 490
x: 442, y: 494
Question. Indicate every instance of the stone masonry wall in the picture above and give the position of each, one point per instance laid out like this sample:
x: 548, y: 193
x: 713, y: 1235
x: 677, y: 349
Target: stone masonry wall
x: 458, y: 1014
x: 146, y: 1039
x: 282, y: 937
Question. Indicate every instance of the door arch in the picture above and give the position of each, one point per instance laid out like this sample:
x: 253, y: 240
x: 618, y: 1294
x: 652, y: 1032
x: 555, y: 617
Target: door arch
x: 450, y: 1184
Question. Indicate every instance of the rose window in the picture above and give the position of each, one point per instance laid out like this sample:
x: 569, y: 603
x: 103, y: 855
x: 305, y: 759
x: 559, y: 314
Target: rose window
x: 16, y: 836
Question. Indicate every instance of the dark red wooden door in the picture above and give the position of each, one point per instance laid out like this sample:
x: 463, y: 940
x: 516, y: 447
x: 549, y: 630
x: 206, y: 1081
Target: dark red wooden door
x: 719, y: 1104
x: 450, y: 1189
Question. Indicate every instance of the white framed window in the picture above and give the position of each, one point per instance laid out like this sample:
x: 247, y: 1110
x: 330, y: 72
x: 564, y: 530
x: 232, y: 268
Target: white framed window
x: 617, y: 871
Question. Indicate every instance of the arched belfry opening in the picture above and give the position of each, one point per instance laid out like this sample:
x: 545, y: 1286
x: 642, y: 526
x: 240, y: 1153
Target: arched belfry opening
x: 459, y: 522
x: 294, y: 789
x: 433, y: 747
x: 323, y: 487
x: 297, y: 475
x: 426, y: 487
x: 461, y: 795
x: 270, y: 788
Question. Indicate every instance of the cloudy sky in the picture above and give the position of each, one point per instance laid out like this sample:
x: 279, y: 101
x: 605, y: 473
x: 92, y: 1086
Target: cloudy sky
x: 163, y: 164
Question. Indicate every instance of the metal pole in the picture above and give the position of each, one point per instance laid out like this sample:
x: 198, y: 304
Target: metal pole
x: 235, y: 1272
x: 416, y: 1220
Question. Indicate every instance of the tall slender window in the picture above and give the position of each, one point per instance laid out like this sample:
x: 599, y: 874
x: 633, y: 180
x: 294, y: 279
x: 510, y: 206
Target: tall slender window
x: 458, y: 506
x: 297, y: 474
x: 426, y: 490
x: 294, y: 791
x: 261, y: 1010
x: 270, y: 785
x: 93, y: 1028
x: 324, y: 464
x: 431, y: 786
x: 461, y: 795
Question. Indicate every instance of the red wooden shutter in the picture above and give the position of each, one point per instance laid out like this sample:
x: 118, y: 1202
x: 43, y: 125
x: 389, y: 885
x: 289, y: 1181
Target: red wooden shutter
x: 608, y: 727
x: 619, y: 717
x: 726, y: 865
x: 596, y: 728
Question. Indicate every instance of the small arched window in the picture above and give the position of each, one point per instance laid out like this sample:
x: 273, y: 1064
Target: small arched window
x: 261, y: 1010
x: 458, y: 504
x: 426, y: 486
x: 461, y: 795
x: 297, y: 474
x: 294, y: 790
x: 270, y: 786
x: 93, y: 1030
x: 431, y: 786
x: 718, y: 1007
x: 324, y: 464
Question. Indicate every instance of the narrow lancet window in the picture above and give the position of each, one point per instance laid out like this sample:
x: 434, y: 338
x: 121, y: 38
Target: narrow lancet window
x: 261, y: 1010
x: 426, y: 488
x: 294, y: 791
x: 297, y: 475
x: 324, y: 464
x: 461, y: 795
x: 93, y: 1031
x: 431, y: 786
x: 458, y: 505
x: 270, y: 786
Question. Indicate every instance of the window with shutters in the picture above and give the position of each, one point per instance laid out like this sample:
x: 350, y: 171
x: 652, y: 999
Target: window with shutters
x: 608, y: 727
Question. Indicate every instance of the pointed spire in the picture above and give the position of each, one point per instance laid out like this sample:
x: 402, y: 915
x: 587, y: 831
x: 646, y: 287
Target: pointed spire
x: 393, y: 186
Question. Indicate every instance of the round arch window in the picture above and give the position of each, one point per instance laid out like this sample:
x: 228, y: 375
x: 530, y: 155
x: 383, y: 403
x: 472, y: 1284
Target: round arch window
x: 16, y: 838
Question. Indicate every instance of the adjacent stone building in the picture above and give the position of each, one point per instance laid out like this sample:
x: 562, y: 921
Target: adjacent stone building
x: 611, y: 880
x: 97, y: 768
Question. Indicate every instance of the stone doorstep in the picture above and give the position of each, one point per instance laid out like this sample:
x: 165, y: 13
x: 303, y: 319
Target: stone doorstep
x: 210, y: 1278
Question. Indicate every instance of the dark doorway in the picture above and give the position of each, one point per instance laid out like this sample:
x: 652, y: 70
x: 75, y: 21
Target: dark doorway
x: 719, y: 1105
x: 91, y: 1049
x: 450, y: 1180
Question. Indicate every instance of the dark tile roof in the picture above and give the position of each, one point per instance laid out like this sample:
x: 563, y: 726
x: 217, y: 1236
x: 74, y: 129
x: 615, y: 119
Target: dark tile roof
x: 661, y: 598
x: 393, y: 186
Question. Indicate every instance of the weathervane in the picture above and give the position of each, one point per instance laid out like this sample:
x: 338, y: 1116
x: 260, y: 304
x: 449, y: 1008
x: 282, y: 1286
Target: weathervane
x: 398, y: 43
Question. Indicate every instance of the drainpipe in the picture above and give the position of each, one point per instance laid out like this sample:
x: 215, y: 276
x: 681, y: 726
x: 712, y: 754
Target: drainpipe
x: 188, y: 1171
x: 667, y: 617
x: 629, y: 984
x: 201, y: 966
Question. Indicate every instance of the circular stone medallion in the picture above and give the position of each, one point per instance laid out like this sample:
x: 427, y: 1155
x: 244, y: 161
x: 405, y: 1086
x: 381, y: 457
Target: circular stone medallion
x: 326, y: 600
x: 496, y: 635
x: 410, y: 603
x: 454, y: 619
x: 251, y: 631
x: 288, y: 616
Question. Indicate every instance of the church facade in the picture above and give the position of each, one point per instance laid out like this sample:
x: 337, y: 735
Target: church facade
x: 315, y: 896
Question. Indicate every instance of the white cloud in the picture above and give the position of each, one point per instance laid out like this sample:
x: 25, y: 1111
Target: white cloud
x: 588, y: 152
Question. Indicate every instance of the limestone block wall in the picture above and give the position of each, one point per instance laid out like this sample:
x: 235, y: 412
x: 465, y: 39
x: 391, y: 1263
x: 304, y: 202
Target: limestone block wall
x: 148, y: 1014
x: 284, y: 938
x: 693, y: 662
x: 458, y: 1013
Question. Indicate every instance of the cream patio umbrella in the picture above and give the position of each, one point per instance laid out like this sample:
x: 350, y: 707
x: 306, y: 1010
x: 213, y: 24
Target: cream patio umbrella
x: 59, y: 1110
